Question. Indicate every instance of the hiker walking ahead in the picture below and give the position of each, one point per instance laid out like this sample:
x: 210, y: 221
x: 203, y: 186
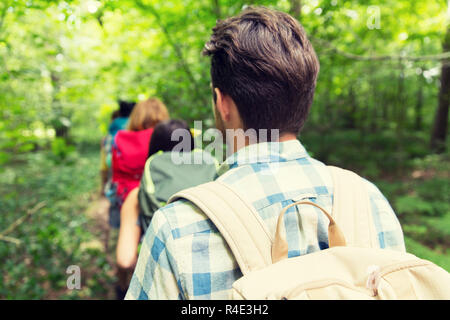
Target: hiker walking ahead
x: 130, y: 149
x: 264, y: 73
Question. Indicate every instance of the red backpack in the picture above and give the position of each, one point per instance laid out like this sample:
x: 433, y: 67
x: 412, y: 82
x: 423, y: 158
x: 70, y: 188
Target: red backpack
x: 129, y: 154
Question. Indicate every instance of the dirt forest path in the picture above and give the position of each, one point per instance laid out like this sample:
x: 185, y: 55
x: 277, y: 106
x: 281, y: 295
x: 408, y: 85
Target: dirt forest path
x: 104, y: 238
x: 98, y: 212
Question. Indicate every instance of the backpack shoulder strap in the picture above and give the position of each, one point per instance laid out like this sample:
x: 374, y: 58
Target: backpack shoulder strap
x: 352, y: 209
x: 237, y: 221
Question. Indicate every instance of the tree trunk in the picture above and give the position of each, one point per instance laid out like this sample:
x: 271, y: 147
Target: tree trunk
x: 61, y: 130
x: 401, y: 103
x: 373, y: 117
x: 216, y: 9
x: 350, y: 117
x: 296, y: 9
x: 439, y: 133
x: 419, y: 105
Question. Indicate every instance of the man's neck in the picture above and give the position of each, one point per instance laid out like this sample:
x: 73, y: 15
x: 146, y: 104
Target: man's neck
x: 287, y: 136
x: 283, y: 138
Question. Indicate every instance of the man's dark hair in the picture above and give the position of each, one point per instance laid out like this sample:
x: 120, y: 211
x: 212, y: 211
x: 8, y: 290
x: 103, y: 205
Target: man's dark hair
x: 263, y: 60
x: 161, y: 139
x: 125, y: 108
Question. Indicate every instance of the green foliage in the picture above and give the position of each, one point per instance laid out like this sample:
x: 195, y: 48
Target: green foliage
x: 422, y: 202
x: 54, y: 237
x: 413, y: 204
x: 63, y: 61
x: 371, y: 154
x: 61, y: 149
x: 441, y: 259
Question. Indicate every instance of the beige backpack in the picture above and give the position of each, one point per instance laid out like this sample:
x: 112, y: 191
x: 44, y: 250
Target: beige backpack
x: 354, y: 267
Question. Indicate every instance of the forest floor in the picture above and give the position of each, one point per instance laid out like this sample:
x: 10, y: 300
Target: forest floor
x: 70, y: 229
x: 103, y: 240
x: 104, y: 237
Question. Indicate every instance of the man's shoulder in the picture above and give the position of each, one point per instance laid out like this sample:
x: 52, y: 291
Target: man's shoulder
x: 183, y: 218
x: 379, y: 203
x: 372, y: 189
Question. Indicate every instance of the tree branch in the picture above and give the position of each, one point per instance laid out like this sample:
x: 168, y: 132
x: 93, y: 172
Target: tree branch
x: 438, y: 57
x: 19, y: 221
x: 3, y: 15
x: 10, y: 239
x: 172, y: 43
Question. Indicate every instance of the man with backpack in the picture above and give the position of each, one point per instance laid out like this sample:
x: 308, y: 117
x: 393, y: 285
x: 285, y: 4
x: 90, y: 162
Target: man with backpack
x: 264, y: 73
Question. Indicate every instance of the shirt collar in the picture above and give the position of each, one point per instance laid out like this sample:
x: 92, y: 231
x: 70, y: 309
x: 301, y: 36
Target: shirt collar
x: 264, y: 152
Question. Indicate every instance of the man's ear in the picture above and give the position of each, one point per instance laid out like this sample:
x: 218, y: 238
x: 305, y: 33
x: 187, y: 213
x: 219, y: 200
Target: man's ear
x: 222, y: 105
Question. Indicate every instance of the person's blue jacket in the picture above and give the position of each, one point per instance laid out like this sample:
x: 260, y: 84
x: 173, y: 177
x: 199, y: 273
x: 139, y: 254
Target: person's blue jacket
x: 117, y: 124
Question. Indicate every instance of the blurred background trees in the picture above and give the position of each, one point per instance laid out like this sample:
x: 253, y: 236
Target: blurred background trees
x: 381, y: 108
x: 63, y: 63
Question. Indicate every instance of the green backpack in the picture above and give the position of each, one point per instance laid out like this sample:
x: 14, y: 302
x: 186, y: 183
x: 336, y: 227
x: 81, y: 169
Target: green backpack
x: 163, y: 177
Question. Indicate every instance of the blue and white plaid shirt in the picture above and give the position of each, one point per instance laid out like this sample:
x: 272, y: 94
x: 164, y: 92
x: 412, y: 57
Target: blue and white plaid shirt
x: 183, y: 256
